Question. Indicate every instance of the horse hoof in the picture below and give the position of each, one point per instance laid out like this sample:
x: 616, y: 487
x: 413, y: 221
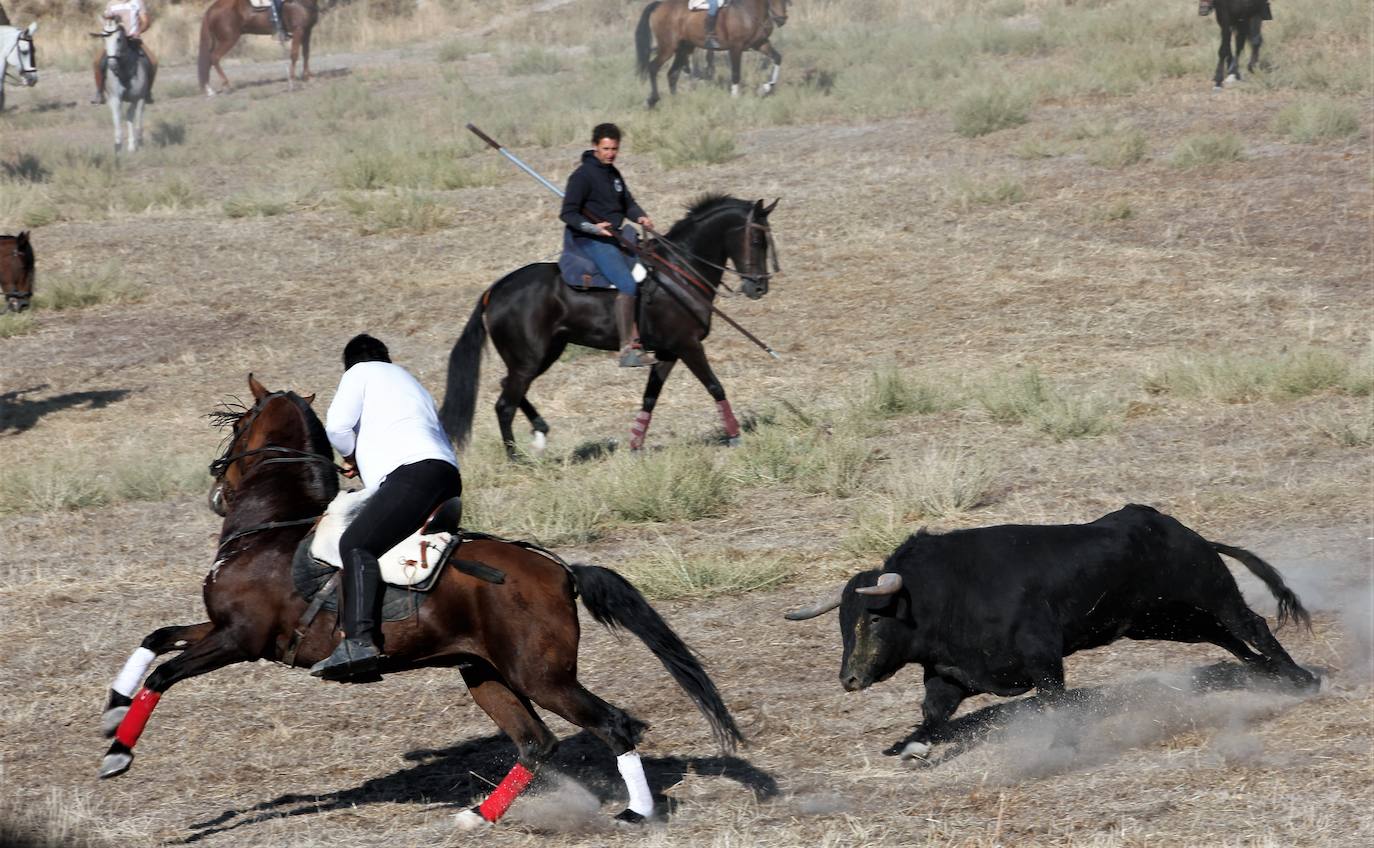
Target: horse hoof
x: 1216, y: 87
x: 628, y: 818
x: 469, y: 820
x: 915, y: 750
x: 109, y: 722
x: 538, y: 442
x: 732, y: 442
x: 1232, y: 78
x: 115, y: 764
x: 765, y: 90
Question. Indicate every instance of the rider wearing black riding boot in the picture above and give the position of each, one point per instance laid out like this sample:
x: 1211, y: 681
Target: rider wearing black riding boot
x: 712, y: 10
x: 596, y: 203
x: 385, y: 425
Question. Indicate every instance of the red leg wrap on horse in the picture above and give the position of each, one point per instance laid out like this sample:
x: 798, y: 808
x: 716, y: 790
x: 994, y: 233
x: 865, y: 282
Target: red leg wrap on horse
x: 137, y: 717
x: 727, y: 417
x: 639, y: 429
x: 499, y: 801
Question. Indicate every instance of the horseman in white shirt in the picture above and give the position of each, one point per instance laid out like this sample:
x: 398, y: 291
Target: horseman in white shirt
x: 385, y: 426
x: 133, y: 16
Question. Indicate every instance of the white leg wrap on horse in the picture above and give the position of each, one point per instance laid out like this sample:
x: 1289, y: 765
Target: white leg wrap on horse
x: 632, y: 772
x: 131, y: 675
x: 538, y: 442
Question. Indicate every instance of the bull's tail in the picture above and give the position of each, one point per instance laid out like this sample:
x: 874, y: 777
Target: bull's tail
x: 1289, y: 605
x: 207, y: 46
x: 644, y: 40
x: 615, y: 603
x: 464, y: 367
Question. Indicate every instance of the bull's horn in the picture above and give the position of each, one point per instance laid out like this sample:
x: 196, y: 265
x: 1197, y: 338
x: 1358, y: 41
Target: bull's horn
x: 820, y: 607
x: 888, y: 584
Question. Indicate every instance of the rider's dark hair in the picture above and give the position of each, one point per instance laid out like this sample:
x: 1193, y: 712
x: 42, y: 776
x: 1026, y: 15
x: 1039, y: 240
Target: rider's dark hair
x: 601, y: 131
x: 364, y: 348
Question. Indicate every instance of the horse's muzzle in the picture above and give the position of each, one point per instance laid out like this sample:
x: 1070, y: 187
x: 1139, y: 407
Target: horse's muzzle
x: 754, y: 287
x: 29, y: 78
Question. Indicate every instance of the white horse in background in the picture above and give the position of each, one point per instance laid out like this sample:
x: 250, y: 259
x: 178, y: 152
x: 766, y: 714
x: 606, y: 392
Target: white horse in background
x: 128, y: 80
x: 17, y: 52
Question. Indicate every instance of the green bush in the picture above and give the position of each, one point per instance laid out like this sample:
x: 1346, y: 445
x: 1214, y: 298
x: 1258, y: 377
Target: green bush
x: 983, y: 111
x: 1208, y: 149
x: 1309, y: 121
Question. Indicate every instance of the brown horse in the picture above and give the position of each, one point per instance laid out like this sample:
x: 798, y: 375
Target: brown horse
x: 226, y: 20
x: 513, y: 637
x: 16, y: 271
x: 677, y: 31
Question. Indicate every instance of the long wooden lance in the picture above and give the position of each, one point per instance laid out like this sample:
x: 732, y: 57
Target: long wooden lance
x: 515, y: 160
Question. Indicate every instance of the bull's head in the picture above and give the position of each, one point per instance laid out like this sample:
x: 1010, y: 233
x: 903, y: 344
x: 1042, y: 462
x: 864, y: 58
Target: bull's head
x: 875, y: 624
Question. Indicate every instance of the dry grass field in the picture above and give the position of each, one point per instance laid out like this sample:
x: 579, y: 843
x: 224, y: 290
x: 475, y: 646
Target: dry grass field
x: 1034, y: 268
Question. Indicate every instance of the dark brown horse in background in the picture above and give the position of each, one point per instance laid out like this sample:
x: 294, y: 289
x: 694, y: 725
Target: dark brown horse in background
x: 16, y: 271
x: 1241, y: 20
x: 515, y: 642
x: 677, y: 31
x: 226, y: 20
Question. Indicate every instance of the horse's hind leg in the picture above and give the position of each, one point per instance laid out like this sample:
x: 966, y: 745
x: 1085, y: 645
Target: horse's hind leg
x: 680, y: 61
x: 215, y: 649
x: 1223, y: 55
x: 1256, y: 39
x: 538, y: 425
x: 534, y: 742
x: 1234, y: 70
x: 305, y: 53
x: 155, y: 644
x: 618, y: 729
x: 771, y: 54
x: 513, y: 388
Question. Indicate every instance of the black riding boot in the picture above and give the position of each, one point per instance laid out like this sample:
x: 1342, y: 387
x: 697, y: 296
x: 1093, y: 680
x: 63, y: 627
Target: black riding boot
x: 632, y: 353
x: 711, y: 42
x: 356, y: 655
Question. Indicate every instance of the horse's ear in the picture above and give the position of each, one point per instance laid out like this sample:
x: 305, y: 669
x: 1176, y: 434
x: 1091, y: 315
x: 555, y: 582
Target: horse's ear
x: 256, y: 388
x: 770, y: 207
x: 33, y: 27
x: 309, y: 399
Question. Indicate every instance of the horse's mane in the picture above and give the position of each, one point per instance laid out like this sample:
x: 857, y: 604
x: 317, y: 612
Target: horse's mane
x: 699, y: 208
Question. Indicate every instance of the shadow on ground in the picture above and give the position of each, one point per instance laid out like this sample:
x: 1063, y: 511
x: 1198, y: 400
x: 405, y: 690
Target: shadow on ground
x: 18, y: 413
x: 462, y: 775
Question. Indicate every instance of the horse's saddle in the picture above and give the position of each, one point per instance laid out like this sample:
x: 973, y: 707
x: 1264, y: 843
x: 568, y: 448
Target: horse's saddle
x: 577, y: 268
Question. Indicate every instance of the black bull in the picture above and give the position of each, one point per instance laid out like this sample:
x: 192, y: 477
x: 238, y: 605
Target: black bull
x: 996, y: 609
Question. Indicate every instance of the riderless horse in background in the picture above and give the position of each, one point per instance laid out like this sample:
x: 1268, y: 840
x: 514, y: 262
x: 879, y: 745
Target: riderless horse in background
x: 1243, y: 18
x: 513, y: 634
x: 677, y: 31
x: 18, y: 56
x: 226, y: 20
x: 128, y: 84
x: 16, y: 271
x: 531, y: 315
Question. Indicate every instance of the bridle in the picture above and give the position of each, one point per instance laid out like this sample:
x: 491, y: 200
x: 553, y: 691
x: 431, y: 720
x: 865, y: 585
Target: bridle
x: 221, y: 466
x: 25, y: 55
x: 750, y: 226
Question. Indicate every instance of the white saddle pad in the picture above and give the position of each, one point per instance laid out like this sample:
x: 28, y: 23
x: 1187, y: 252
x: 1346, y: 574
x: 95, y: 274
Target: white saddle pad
x: 703, y: 5
x: 260, y: 4
x: 410, y: 562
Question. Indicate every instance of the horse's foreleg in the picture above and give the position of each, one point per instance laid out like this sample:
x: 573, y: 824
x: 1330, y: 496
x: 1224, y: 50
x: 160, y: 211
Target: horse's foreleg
x: 215, y: 650
x: 118, y: 120
x: 654, y: 65
x: 1223, y: 55
x: 155, y: 644
x: 772, y: 54
x: 136, y: 125
x: 736, y: 55
x: 534, y: 742
x: 305, y: 53
x: 657, y: 376
x: 1234, y: 70
x: 222, y: 48
x: 1256, y: 39
x: 696, y: 361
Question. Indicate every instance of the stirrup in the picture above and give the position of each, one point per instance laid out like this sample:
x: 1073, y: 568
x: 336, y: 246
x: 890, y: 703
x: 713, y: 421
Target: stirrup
x: 353, y: 659
x: 634, y: 356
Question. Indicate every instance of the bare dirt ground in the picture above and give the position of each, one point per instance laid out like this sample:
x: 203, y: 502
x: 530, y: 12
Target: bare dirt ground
x: 882, y: 267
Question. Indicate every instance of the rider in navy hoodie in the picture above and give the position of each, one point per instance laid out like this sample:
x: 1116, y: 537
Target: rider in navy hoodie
x: 595, y: 206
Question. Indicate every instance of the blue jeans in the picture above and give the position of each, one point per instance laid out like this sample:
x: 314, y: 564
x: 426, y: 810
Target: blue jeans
x: 712, y: 6
x: 613, y: 264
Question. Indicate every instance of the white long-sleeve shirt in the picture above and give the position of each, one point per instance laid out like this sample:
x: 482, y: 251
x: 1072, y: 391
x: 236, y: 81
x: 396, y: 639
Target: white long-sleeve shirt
x: 128, y: 12
x: 384, y: 418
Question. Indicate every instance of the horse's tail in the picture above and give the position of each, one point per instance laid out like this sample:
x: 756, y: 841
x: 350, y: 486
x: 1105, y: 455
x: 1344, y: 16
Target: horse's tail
x: 464, y: 367
x: 615, y: 603
x: 1289, y: 605
x: 644, y: 39
x: 207, y: 46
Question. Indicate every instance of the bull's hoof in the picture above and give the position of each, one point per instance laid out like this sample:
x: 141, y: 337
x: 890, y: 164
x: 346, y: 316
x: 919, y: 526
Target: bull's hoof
x: 116, y: 763
x: 469, y: 820
x: 109, y: 721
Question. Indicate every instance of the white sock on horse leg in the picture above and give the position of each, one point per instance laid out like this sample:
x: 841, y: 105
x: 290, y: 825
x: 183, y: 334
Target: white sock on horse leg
x: 632, y: 772
x: 132, y: 673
